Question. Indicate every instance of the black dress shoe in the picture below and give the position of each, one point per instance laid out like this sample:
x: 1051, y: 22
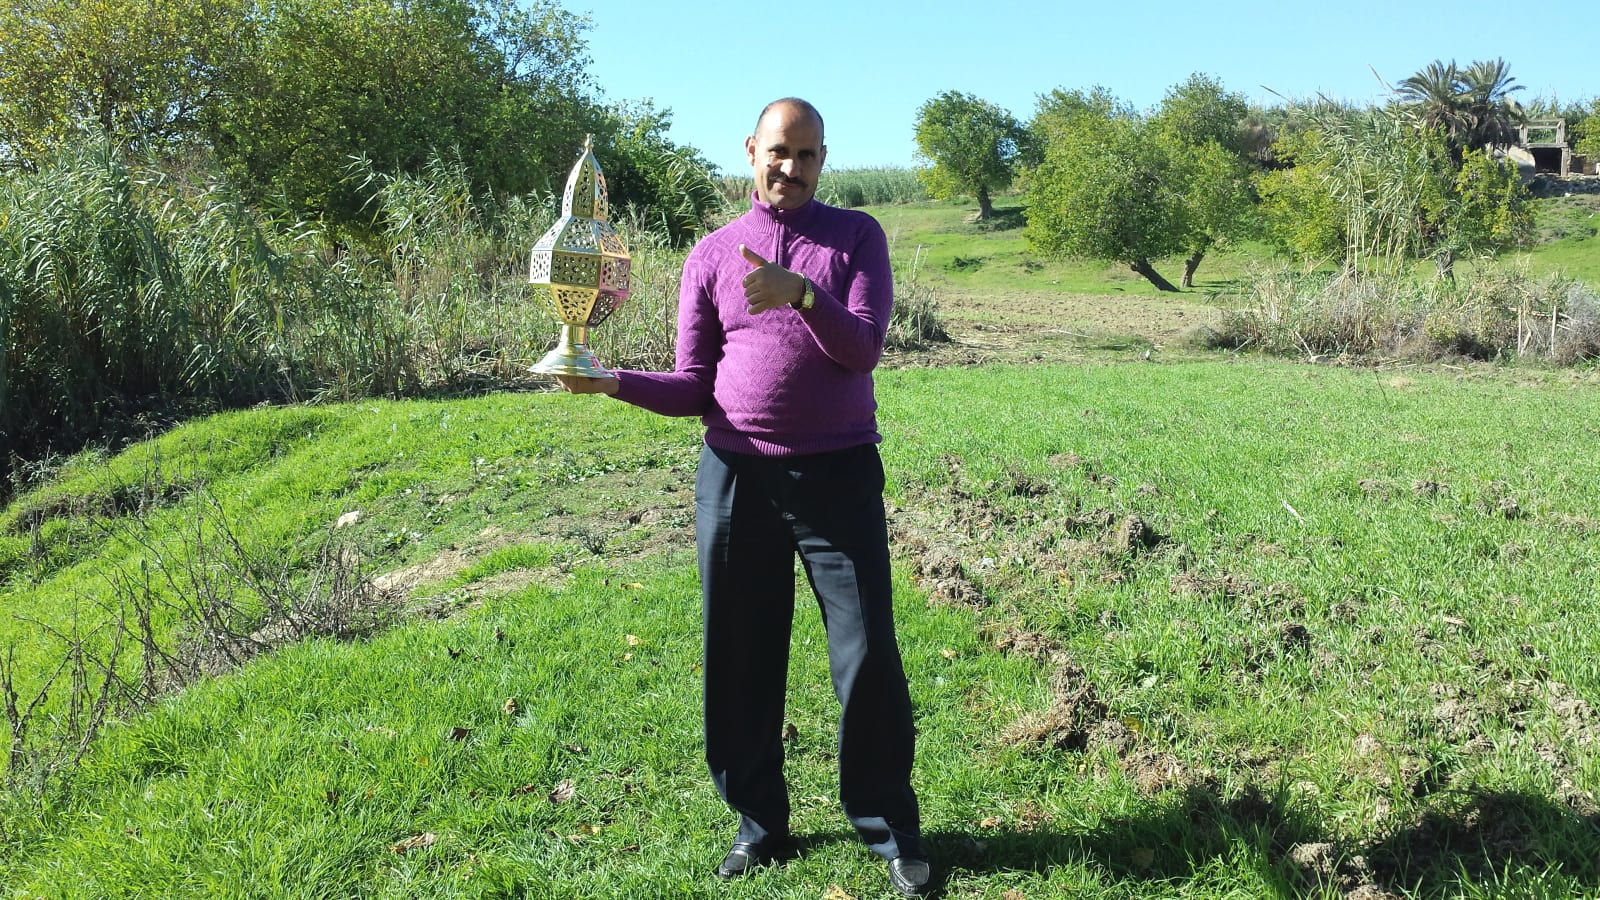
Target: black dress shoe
x: 910, y: 875
x: 744, y: 857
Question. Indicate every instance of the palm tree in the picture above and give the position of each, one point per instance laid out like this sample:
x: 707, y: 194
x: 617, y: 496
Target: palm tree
x: 1471, y: 106
x: 1495, y: 116
x: 1436, y: 96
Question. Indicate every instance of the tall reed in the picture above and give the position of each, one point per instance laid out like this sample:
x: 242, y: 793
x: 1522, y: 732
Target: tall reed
x: 127, y: 292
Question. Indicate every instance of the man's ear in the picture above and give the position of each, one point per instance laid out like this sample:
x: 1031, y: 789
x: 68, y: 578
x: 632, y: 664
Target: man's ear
x: 750, y: 149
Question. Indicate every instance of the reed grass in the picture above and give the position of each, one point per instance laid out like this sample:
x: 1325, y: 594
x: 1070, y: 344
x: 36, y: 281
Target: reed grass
x: 1494, y: 313
x: 128, y: 292
x: 850, y: 188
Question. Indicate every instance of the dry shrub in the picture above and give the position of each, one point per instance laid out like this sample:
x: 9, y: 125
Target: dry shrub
x: 1496, y: 313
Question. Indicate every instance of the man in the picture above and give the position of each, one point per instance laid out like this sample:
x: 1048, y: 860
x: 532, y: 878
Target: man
x: 781, y: 320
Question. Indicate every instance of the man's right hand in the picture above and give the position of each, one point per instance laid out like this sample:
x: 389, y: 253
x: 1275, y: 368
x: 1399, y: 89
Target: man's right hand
x: 579, y: 384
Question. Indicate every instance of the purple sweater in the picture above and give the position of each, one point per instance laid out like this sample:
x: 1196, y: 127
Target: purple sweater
x: 781, y: 383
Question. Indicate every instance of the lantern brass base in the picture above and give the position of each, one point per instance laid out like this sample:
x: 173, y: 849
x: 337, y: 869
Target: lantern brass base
x: 572, y: 357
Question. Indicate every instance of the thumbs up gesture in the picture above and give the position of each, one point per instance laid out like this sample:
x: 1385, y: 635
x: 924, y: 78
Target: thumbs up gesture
x: 768, y: 285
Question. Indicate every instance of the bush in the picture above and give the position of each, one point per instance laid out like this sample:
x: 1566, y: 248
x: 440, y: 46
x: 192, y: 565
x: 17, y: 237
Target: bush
x: 1497, y: 313
x: 127, y: 292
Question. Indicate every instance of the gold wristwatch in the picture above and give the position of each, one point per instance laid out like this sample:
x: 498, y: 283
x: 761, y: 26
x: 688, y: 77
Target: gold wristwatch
x: 807, y: 299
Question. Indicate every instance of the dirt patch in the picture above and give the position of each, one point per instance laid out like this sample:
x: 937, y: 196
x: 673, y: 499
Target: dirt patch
x: 1088, y: 317
x: 1072, y: 716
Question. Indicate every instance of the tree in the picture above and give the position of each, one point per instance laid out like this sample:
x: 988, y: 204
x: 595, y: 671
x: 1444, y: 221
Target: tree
x: 1396, y: 193
x: 1114, y: 185
x: 141, y: 71
x: 1494, y: 115
x: 1218, y: 201
x: 1102, y: 189
x: 1586, y: 134
x: 671, y: 185
x: 1204, y: 126
x: 325, y: 88
x: 1298, y: 212
x: 972, y: 145
x: 1471, y: 106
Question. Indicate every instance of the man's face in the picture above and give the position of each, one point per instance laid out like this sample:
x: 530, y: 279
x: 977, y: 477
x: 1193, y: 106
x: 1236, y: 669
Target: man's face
x: 786, y: 156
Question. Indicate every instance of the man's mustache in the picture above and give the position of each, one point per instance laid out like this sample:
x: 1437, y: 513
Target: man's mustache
x: 796, y: 182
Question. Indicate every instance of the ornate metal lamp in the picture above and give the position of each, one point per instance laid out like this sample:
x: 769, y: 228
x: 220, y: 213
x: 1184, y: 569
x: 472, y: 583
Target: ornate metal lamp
x: 584, y: 265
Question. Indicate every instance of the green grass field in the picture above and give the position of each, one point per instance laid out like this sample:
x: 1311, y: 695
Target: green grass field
x: 1229, y: 628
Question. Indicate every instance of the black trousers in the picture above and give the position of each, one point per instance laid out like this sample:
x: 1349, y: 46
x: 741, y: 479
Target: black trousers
x: 752, y: 515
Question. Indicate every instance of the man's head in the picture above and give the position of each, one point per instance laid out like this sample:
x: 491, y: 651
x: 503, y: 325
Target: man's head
x: 786, y: 152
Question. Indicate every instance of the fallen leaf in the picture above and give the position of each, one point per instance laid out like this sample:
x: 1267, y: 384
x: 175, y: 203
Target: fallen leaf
x: 349, y: 518
x: 990, y: 822
x: 834, y: 892
x: 510, y: 706
x: 588, y: 830
x: 563, y: 791
x: 633, y: 586
x: 1013, y: 894
x: 379, y: 729
x: 632, y: 639
x: 416, y: 842
x: 524, y: 790
x: 627, y: 656
x: 947, y: 653
x: 791, y: 733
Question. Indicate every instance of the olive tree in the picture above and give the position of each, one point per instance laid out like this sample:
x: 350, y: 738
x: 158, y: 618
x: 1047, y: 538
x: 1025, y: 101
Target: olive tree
x: 140, y: 71
x: 971, y: 145
x: 326, y: 92
x: 1116, y: 185
x: 1102, y: 188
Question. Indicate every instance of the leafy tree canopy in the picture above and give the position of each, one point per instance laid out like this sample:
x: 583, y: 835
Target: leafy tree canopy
x: 1471, y: 106
x: 141, y: 71
x: 1115, y: 185
x: 1101, y: 191
x: 311, y: 105
x: 972, y: 145
x: 322, y: 84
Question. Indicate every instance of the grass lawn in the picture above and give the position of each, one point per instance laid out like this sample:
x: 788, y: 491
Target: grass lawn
x: 1227, y: 628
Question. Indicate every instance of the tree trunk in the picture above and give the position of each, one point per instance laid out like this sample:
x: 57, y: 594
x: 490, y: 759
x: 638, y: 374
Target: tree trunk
x: 985, y: 208
x: 1446, y: 261
x: 1143, y: 267
x: 1189, y: 265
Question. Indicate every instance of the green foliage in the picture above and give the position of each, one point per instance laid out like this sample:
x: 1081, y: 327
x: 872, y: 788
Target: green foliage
x: 143, y: 71
x: 319, y: 84
x: 1118, y: 186
x: 1201, y: 111
x: 1471, y: 106
x: 1103, y: 190
x: 972, y: 145
x: 1487, y: 210
x: 1586, y: 136
x: 1299, y: 214
x: 1397, y: 194
x: 875, y: 186
x: 126, y: 293
x: 667, y: 185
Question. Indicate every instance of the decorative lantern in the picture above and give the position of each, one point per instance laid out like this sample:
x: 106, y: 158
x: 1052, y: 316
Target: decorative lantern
x: 584, y: 266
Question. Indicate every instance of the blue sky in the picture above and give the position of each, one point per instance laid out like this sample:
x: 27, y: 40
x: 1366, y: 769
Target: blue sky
x: 868, y: 65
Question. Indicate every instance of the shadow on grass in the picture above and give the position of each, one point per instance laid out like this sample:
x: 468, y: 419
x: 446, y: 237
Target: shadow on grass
x: 1516, y: 840
x: 1007, y: 218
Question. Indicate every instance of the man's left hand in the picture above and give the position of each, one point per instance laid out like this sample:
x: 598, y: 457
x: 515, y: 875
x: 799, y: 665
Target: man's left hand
x: 769, y: 285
